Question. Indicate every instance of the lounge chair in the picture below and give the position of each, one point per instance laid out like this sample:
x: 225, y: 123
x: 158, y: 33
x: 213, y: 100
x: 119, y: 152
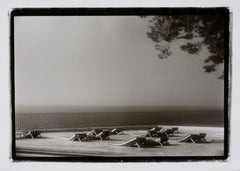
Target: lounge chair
x: 169, y: 131
x: 158, y: 131
x: 32, y: 134
x: 116, y: 131
x: 78, y: 137
x: 159, y: 134
x: 194, y: 138
x: 103, y: 135
x: 92, y: 135
x: 143, y: 142
x: 175, y: 129
x: 152, y: 132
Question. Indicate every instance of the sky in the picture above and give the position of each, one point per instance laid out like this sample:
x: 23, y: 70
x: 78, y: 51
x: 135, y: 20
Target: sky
x: 106, y: 61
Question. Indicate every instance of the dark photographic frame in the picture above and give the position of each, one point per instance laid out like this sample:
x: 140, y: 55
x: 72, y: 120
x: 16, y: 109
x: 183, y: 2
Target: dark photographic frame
x: 124, y: 12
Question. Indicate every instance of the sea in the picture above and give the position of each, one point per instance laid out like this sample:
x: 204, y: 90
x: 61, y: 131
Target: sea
x: 48, y: 121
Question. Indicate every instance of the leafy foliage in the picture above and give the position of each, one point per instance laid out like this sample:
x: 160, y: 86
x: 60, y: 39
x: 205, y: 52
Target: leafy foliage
x: 191, y: 48
x: 209, y: 28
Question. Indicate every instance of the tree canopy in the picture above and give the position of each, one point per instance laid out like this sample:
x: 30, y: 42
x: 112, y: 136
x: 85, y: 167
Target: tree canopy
x: 198, y: 30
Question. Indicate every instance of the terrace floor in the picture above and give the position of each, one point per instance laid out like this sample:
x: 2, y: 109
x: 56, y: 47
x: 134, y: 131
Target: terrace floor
x: 57, y: 144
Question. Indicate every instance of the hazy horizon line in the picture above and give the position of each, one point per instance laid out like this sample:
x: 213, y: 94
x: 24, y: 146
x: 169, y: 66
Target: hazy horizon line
x: 105, y: 108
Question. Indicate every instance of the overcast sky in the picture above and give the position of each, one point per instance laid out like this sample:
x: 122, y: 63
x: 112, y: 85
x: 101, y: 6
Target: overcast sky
x: 105, y: 61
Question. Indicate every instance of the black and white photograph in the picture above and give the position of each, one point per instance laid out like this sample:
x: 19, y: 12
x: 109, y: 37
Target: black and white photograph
x: 123, y: 84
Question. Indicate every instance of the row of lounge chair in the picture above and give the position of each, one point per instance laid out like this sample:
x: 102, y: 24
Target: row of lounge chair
x: 144, y: 140
x: 162, y: 134
x: 96, y: 134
